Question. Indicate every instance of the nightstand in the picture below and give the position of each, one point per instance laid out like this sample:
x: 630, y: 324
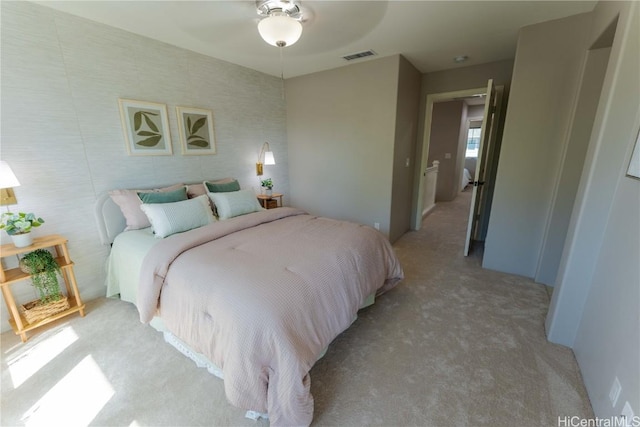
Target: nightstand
x: 270, y: 202
x: 8, y: 277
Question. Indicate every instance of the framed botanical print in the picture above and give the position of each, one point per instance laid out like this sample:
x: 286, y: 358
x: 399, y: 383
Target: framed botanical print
x: 196, y: 131
x: 146, y: 128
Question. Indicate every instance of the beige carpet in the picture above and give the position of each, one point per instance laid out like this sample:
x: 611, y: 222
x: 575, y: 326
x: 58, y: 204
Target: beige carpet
x: 453, y: 345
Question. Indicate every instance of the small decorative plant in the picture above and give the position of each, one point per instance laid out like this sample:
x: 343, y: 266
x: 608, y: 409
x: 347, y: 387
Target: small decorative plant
x: 43, y: 269
x: 20, y: 223
x: 267, y: 183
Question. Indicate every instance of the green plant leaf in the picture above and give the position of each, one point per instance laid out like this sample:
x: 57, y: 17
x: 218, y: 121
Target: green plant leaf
x: 198, y: 124
x: 19, y: 223
x: 137, y: 120
x: 150, y: 142
x: 188, y: 122
x: 199, y: 143
x: 147, y: 133
x: 150, y: 123
x: 194, y: 137
x: 43, y: 268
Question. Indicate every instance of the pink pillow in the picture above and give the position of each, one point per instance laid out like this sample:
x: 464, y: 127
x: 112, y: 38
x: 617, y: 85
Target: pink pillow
x: 129, y: 204
x: 195, y: 190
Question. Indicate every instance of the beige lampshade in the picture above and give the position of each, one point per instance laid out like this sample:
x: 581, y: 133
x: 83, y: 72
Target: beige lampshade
x: 268, y: 158
x: 7, y: 177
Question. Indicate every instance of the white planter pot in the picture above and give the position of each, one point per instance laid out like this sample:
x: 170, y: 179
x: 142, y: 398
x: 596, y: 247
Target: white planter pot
x: 268, y: 192
x: 22, y: 240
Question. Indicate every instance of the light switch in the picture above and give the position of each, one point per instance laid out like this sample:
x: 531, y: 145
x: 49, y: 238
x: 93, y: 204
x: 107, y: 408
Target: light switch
x: 447, y: 155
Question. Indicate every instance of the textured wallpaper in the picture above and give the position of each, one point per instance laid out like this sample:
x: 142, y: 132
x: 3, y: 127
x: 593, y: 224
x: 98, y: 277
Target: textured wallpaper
x: 62, y: 135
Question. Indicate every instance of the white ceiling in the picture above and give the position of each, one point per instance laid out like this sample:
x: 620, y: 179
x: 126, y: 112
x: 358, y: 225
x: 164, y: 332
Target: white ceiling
x: 428, y: 33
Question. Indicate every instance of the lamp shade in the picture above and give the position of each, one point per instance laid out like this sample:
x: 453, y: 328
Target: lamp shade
x: 280, y: 30
x: 268, y: 158
x: 7, y: 177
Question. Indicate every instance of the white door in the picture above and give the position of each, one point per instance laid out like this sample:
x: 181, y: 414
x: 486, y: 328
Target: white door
x: 487, y: 121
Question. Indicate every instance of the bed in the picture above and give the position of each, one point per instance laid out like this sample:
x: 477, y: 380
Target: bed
x: 257, y: 296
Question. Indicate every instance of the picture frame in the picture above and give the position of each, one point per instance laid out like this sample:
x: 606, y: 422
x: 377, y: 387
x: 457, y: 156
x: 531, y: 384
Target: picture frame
x: 633, y: 170
x: 196, y: 131
x: 146, y: 128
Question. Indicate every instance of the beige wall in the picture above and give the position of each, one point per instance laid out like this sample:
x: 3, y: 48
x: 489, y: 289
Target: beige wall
x: 447, y: 120
x: 468, y: 77
x: 545, y: 81
x: 408, y: 105
x: 572, y: 165
x: 596, y: 301
x: 341, y: 133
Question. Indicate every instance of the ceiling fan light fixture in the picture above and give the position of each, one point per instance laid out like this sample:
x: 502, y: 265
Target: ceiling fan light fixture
x: 279, y: 29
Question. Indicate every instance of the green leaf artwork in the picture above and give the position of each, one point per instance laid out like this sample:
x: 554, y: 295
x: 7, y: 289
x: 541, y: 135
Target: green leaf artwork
x: 150, y: 142
x: 198, y: 124
x: 152, y: 134
x: 193, y: 138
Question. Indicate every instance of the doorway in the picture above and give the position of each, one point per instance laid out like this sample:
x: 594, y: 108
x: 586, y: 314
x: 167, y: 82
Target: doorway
x: 452, y: 162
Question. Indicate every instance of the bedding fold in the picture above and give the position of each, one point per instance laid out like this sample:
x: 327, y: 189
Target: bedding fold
x: 262, y: 295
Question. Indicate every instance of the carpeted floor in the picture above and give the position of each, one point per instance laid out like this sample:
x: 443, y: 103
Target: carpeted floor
x: 453, y: 345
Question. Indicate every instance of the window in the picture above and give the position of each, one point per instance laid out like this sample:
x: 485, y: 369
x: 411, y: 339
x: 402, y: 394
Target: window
x: 473, y: 142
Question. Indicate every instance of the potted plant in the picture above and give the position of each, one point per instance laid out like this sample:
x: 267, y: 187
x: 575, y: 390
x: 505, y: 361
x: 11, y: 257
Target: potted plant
x: 19, y: 226
x: 44, y: 272
x: 267, y: 184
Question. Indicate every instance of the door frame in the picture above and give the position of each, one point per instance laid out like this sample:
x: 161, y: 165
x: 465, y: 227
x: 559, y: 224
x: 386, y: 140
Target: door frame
x: 426, y: 138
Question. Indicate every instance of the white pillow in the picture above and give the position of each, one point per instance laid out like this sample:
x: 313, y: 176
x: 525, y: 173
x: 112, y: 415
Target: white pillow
x: 235, y: 203
x: 170, y: 218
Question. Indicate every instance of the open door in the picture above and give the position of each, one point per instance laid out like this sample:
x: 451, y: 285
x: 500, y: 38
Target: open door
x: 478, y: 179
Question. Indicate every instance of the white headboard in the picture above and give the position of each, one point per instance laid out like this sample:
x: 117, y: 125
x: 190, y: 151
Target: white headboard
x: 110, y: 220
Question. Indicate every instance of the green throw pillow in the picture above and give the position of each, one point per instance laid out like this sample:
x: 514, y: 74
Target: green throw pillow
x: 164, y: 196
x: 226, y: 187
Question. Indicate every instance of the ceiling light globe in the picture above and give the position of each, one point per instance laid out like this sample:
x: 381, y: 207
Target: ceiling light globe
x: 280, y: 30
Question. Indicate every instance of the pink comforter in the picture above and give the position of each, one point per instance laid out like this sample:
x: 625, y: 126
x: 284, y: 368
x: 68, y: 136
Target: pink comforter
x: 262, y: 295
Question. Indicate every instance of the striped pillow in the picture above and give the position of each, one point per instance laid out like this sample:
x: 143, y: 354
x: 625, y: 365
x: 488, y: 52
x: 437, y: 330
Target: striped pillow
x: 235, y: 203
x: 170, y: 218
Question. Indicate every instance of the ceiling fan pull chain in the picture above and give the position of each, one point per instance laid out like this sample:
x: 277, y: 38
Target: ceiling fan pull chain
x: 282, y: 71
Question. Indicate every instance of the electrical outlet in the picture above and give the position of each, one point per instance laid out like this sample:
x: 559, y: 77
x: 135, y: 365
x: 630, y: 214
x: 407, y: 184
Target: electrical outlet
x: 407, y: 162
x: 614, y: 393
x: 376, y: 225
x: 627, y: 415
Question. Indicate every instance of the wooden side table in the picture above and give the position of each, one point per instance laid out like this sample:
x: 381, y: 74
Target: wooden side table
x: 11, y: 276
x: 270, y: 202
